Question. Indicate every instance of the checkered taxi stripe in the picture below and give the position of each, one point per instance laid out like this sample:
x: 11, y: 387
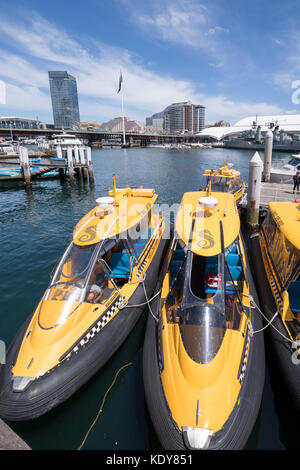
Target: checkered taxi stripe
x: 99, y: 325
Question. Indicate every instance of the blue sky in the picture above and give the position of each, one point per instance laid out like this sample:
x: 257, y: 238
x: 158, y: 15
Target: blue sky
x: 235, y: 57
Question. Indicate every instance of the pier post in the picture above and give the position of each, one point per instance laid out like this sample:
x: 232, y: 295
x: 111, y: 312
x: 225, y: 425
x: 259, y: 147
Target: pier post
x: 254, y: 189
x: 24, y: 163
x: 268, y: 155
x: 58, y: 151
x: 77, y: 161
x: 70, y: 164
x: 90, y: 164
x: 83, y: 162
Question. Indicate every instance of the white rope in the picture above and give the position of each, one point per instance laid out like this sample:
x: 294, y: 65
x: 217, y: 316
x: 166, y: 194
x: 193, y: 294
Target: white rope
x: 125, y: 304
x: 270, y: 322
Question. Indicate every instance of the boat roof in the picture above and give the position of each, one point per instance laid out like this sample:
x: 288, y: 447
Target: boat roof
x: 194, y: 218
x: 286, y: 215
x: 223, y: 171
x: 128, y: 207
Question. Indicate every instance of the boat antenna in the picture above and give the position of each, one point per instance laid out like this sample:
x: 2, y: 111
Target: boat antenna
x: 114, y: 189
x: 208, y: 193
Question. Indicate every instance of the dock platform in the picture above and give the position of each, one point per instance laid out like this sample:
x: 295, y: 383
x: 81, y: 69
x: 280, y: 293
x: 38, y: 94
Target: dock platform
x: 271, y: 192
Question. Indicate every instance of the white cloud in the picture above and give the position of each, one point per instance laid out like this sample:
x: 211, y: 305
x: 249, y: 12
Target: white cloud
x: 145, y: 91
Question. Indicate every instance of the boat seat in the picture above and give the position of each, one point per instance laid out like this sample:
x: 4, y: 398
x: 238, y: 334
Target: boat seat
x: 294, y: 296
x: 120, y: 265
x: 174, y: 269
x: 233, y: 259
x: 179, y: 255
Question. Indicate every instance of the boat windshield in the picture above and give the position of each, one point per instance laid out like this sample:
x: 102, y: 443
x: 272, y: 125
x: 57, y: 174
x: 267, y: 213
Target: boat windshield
x: 204, y: 298
x: 294, y: 161
x: 79, y: 269
x: 224, y: 185
x: 74, y: 266
x: 202, y: 320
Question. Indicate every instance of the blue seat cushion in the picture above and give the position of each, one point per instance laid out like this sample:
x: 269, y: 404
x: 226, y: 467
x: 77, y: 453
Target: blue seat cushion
x: 236, y: 272
x: 294, y: 296
x: 174, y: 268
x: 233, y: 259
x: 120, y: 264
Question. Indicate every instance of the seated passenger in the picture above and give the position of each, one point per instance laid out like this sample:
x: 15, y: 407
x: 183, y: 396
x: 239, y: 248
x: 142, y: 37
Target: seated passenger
x: 94, y: 294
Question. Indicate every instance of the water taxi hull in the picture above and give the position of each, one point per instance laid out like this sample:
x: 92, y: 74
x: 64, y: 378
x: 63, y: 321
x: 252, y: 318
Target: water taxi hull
x: 239, y: 425
x: 281, y: 348
x: 53, y: 388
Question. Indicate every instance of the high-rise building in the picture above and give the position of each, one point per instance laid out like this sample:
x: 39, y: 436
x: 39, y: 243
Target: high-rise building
x: 184, y: 117
x: 64, y: 97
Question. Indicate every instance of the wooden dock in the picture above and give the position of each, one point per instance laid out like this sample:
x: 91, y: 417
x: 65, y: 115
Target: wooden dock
x: 77, y: 160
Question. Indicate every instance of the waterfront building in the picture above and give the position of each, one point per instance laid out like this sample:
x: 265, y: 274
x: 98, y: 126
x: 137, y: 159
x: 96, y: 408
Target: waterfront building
x: 288, y: 123
x: 12, y: 122
x: 64, y: 97
x: 184, y: 117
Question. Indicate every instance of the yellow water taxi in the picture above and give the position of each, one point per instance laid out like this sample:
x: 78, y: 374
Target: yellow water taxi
x: 94, y: 299
x: 226, y: 179
x: 203, y: 367
x: 276, y: 259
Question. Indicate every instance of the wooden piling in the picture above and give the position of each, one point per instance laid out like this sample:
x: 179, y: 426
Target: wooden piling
x: 70, y: 164
x: 90, y: 165
x: 83, y: 162
x: 24, y: 163
x: 254, y: 190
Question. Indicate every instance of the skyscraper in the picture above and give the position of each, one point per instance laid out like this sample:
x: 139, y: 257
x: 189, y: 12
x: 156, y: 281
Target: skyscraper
x: 184, y: 117
x: 63, y: 89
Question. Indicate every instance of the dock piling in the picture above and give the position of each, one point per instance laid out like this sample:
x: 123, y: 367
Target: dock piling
x: 70, y: 164
x: 83, y: 162
x: 268, y: 155
x: 90, y: 165
x: 254, y: 190
x: 24, y: 163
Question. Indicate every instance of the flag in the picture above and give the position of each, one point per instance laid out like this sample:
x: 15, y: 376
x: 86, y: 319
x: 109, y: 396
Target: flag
x: 120, y: 82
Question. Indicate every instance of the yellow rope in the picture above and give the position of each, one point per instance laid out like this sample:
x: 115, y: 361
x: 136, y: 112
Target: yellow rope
x: 102, y: 404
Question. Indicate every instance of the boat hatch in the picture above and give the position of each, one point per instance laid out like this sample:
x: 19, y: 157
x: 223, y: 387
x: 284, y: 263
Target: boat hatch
x: 204, y: 299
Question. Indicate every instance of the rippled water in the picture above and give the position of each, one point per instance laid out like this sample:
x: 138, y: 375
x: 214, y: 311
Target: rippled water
x: 33, y: 230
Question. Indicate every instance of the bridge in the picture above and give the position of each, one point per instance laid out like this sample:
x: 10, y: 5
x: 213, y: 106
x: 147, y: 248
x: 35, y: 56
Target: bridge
x: 95, y: 136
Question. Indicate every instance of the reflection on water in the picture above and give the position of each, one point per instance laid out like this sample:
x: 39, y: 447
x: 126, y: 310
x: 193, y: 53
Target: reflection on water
x: 34, y: 226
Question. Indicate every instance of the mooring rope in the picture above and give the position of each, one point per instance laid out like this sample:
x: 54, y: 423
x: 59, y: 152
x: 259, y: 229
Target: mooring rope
x: 148, y: 301
x: 102, y: 404
x: 270, y: 322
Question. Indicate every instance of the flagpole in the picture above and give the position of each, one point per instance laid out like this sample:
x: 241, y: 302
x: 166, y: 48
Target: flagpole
x: 123, y: 120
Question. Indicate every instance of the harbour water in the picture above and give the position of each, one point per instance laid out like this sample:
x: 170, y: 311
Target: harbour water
x: 33, y: 230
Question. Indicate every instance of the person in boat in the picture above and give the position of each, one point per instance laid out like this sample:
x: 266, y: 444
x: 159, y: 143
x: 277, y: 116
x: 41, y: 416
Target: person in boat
x: 296, y: 179
x: 94, y: 294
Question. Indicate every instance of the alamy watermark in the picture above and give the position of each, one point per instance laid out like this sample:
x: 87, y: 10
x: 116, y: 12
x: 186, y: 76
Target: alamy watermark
x: 296, y: 353
x: 2, y: 352
x: 2, y: 92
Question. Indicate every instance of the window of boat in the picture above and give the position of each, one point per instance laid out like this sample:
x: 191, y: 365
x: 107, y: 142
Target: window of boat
x: 204, y: 299
x: 88, y: 274
x: 294, y: 161
x: 202, y: 320
x: 285, y: 257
